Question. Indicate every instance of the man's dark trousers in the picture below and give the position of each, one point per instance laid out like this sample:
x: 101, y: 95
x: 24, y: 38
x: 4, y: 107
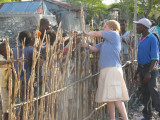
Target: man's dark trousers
x: 150, y: 91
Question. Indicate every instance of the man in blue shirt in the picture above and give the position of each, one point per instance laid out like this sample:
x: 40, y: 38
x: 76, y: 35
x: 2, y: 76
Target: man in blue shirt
x: 148, y: 57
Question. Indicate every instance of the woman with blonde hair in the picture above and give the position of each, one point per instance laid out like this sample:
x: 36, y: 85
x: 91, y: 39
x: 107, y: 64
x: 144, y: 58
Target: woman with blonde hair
x: 111, y: 86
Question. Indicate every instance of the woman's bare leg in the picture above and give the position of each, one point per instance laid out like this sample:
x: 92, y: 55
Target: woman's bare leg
x: 121, y: 108
x: 111, y: 110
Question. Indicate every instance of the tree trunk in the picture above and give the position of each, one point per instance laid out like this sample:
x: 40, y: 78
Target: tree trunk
x: 134, y: 29
x: 149, y: 9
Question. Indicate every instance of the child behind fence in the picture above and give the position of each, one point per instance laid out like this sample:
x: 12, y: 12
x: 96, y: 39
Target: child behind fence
x: 24, y: 37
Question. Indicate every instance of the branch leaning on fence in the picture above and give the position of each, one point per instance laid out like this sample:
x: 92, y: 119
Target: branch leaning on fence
x: 128, y: 63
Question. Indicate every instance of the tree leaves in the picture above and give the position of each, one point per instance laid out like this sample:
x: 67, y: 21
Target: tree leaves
x: 94, y: 8
x: 3, y: 1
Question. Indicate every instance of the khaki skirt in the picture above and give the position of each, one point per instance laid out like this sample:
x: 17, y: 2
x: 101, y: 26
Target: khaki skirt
x: 111, y: 85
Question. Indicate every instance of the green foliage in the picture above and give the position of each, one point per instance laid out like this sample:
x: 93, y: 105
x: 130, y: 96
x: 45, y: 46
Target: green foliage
x: 155, y: 9
x: 114, y: 5
x: 145, y: 4
x: 95, y: 9
x: 127, y: 9
x: 4, y: 1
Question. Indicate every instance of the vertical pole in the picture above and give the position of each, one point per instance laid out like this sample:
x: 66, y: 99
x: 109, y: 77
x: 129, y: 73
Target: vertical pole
x: 9, y: 79
x: 82, y: 18
x: 134, y: 29
x: 82, y: 22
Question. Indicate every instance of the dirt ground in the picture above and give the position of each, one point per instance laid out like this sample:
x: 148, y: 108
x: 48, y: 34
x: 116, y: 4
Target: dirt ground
x: 136, y: 113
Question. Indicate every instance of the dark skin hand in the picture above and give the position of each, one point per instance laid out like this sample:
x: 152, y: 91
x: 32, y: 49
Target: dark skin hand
x: 147, y: 76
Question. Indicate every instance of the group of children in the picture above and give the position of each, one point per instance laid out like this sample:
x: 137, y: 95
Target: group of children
x: 27, y: 39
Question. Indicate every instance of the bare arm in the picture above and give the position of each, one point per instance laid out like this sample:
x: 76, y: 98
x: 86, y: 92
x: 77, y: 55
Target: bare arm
x: 153, y: 64
x: 94, y: 34
x: 91, y: 48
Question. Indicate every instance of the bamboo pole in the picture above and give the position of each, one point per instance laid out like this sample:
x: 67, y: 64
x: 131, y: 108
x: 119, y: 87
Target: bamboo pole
x: 134, y: 28
x: 9, y: 79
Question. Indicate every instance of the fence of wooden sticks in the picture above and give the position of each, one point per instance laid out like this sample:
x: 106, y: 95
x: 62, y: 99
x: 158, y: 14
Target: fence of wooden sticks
x: 65, y: 88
